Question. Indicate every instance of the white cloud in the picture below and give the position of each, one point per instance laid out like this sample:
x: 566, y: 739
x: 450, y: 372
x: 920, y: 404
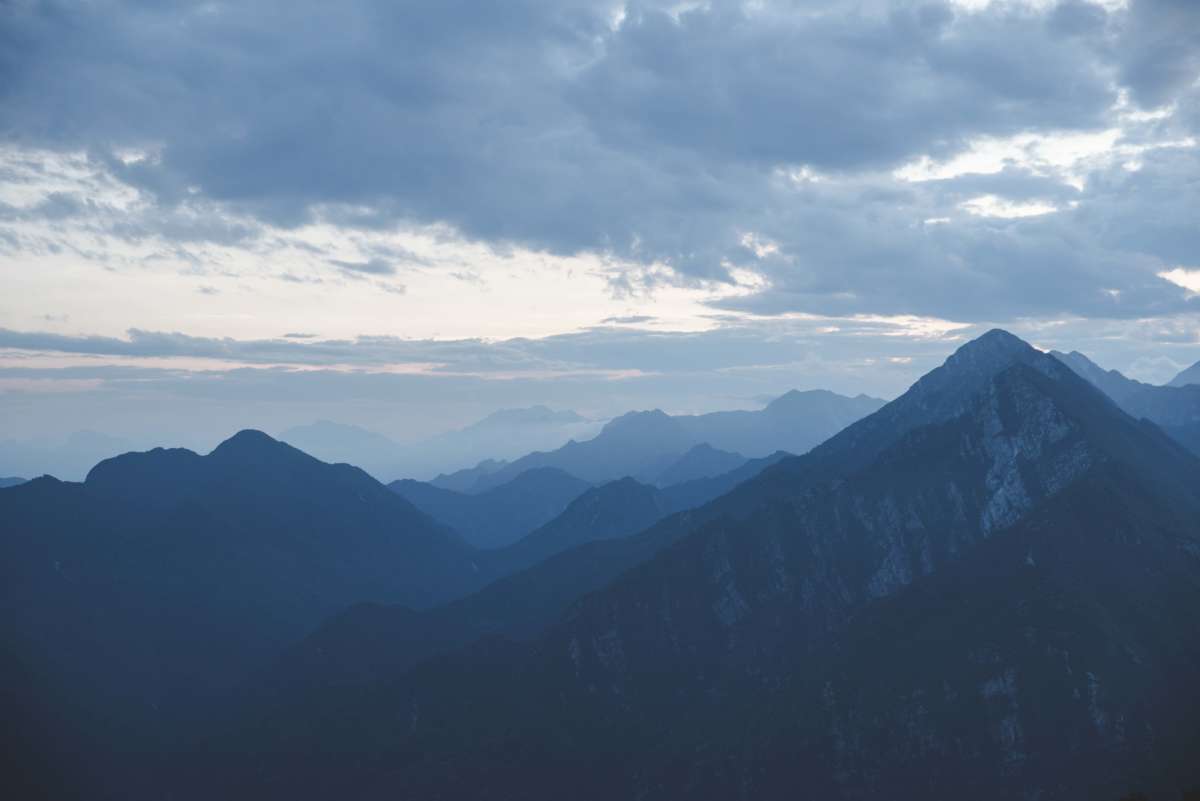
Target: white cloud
x: 993, y: 206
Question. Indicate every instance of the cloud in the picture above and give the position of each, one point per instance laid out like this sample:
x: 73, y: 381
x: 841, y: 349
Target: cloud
x: 828, y: 134
x: 370, y: 267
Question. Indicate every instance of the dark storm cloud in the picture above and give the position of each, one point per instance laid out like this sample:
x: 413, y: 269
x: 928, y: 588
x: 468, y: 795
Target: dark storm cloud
x: 659, y: 135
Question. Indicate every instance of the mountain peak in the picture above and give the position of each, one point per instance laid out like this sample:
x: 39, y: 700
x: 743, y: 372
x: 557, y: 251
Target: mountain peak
x: 248, y: 440
x: 996, y: 344
x: 1189, y: 376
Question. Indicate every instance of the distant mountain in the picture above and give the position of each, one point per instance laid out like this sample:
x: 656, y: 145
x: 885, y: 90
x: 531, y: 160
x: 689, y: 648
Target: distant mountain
x: 11, y: 481
x: 466, y: 479
x: 337, y: 442
x: 1176, y: 409
x: 1188, y: 377
x: 644, y: 444
x: 502, y: 435
x: 167, y: 577
x: 501, y: 515
x: 702, y: 461
x: 987, y: 589
x: 68, y: 459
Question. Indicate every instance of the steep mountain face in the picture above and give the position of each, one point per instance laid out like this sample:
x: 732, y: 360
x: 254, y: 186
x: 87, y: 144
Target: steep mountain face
x: 702, y: 461
x: 645, y: 444
x: 1188, y: 377
x: 499, y: 516
x: 166, y: 577
x: 1175, y: 408
x: 987, y: 589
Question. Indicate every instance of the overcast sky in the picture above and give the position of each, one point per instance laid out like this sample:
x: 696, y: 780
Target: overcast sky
x: 405, y: 215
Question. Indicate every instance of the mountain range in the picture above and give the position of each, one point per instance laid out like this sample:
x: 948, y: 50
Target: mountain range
x: 986, y: 589
x: 1175, y: 407
x: 501, y: 515
x: 504, y: 434
x: 646, y: 445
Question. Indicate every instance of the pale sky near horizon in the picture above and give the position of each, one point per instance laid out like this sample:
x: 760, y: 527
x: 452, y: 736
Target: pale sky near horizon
x: 405, y: 215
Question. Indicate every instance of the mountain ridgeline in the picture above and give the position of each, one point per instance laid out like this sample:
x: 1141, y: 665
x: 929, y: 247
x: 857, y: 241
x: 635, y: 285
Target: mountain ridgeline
x: 1175, y: 407
x: 986, y: 589
x: 650, y: 445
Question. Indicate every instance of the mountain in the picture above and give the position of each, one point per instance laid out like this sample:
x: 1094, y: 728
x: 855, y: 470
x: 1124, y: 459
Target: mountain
x: 794, y: 422
x: 987, y: 589
x: 1188, y: 377
x: 702, y: 461
x: 11, y: 481
x: 501, y: 515
x: 464, y: 480
x: 338, y: 442
x: 537, y: 577
x: 501, y: 435
x: 67, y: 459
x: 1174, y: 408
x: 644, y: 444
x: 167, y: 577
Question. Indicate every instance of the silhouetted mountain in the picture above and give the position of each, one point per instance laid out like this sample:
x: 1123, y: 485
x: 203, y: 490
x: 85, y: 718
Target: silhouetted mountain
x: 988, y: 589
x: 644, y: 444
x: 11, y: 481
x: 702, y: 461
x: 166, y: 577
x: 1188, y: 377
x: 1176, y: 409
x: 501, y: 515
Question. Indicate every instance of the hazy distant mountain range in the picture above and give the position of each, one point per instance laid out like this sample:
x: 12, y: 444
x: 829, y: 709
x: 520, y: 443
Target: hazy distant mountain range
x: 645, y: 445
x: 505, y: 434
x: 69, y: 458
x: 1176, y: 407
x: 987, y: 588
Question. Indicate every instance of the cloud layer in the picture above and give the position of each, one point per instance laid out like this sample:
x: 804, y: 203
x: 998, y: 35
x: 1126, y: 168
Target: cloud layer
x: 797, y: 167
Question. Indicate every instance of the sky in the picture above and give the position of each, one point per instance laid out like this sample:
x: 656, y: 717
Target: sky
x: 406, y: 215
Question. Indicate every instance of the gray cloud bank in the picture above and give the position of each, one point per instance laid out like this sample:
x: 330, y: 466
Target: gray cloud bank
x: 651, y: 132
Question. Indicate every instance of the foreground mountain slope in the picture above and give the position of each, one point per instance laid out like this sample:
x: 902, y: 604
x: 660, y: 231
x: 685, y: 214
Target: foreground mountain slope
x: 166, y: 577
x: 668, y: 682
x: 501, y: 515
x: 538, y: 577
